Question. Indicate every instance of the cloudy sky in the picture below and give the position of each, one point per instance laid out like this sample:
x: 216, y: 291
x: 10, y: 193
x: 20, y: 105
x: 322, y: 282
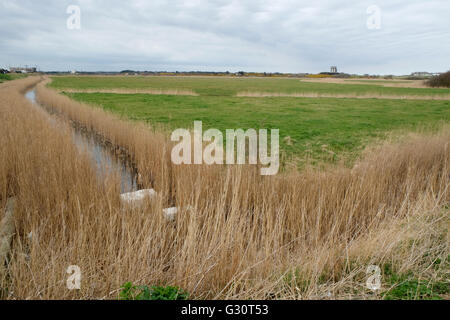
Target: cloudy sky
x: 220, y: 35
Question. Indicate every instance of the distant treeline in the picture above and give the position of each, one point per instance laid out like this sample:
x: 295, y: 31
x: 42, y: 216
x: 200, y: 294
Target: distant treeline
x: 187, y: 73
x: 207, y: 73
x: 230, y: 74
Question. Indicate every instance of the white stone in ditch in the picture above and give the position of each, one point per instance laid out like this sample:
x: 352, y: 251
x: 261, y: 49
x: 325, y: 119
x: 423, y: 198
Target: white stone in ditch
x: 137, y: 197
x: 170, y: 213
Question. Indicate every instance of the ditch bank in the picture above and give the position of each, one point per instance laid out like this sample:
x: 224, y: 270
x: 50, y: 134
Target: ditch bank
x: 107, y: 157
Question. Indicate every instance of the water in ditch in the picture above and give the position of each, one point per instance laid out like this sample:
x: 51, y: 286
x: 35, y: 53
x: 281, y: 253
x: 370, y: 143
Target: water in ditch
x: 103, y: 159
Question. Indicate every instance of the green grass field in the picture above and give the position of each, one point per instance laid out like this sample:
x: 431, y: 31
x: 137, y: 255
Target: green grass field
x: 5, y: 77
x: 11, y: 76
x: 222, y: 86
x: 325, y: 129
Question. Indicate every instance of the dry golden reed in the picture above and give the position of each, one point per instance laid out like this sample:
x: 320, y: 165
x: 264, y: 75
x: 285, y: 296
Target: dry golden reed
x: 342, y: 96
x: 308, y: 234
x: 177, y: 92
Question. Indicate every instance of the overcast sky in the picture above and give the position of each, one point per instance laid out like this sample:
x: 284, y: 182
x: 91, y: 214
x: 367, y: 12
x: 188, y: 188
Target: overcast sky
x: 250, y: 35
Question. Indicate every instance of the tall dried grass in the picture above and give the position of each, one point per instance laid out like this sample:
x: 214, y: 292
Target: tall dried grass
x: 176, y: 92
x: 343, y: 95
x: 400, y: 83
x: 304, y: 234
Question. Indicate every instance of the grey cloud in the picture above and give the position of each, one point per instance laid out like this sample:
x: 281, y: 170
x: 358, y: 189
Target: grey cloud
x: 285, y: 36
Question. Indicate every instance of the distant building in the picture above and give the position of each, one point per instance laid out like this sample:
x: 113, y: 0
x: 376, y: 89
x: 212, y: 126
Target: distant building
x: 333, y: 72
x: 23, y: 70
x: 422, y: 74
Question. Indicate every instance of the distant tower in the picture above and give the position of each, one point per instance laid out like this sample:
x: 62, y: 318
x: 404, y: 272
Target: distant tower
x: 333, y: 69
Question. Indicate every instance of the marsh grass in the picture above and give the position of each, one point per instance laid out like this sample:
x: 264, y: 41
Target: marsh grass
x: 230, y: 86
x: 245, y: 234
x: 352, y: 95
x: 312, y: 130
x: 173, y: 92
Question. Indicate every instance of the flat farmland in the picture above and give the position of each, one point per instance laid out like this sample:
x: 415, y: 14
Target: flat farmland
x: 317, y: 129
x: 231, y: 86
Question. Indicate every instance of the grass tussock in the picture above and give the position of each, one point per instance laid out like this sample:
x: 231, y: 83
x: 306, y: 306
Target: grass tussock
x: 308, y: 234
x: 342, y: 96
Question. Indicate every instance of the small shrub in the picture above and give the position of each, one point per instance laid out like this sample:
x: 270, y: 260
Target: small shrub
x: 442, y: 80
x: 132, y: 292
x: 168, y: 293
x: 5, y: 76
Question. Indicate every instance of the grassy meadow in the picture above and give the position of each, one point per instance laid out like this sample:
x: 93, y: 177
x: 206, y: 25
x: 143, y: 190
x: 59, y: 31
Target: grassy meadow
x: 311, y: 129
x: 231, y: 86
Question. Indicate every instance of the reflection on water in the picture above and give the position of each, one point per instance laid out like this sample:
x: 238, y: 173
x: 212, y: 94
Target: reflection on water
x: 105, y: 161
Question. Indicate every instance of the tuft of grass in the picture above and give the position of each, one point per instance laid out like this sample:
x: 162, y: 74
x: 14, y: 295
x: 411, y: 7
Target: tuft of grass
x: 12, y: 76
x: 133, y: 292
x: 4, y: 292
x: 5, y: 77
x: 404, y: 286
x: 409, y: 288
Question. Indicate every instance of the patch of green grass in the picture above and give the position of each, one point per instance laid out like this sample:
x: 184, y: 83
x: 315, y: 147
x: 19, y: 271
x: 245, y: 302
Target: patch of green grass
x: 11, y: 76
x: 295, y: 278
x: 438, y: 262
x: 3, y: 293
x: 226, y: 86
x: 131, y: 292
x: 5, y: 77
x: 325, y: 129
x: 415, y: 289
x: 408, y: 287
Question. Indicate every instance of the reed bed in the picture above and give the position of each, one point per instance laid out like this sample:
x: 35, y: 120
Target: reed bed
x: 341, y: 96
x: 176, y: 92
x: 297, y: 235
x: 401, y: 83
